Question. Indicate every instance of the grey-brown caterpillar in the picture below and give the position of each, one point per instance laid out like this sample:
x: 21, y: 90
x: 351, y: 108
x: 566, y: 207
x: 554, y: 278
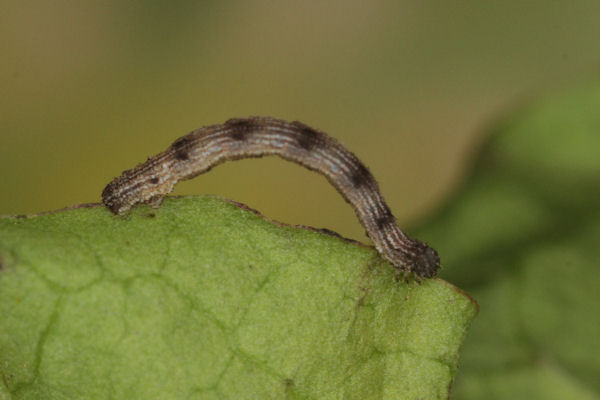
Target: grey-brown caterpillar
x: 204, y: 148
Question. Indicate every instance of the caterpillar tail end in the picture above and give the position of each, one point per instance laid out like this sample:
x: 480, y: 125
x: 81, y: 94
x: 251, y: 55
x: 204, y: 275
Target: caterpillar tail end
x: 420, y: 262
x: 426, y: 262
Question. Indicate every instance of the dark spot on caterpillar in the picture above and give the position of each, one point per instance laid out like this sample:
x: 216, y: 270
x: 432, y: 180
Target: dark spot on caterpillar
x: 182, y: 155
x: 385, y: 219
x: 361, y: 176
x: 150, y: 215
x: 179, y: 143
x: 243, y: 123
x: 238, y: 135
x: 241, y: 127
x: 309, y: 137
x: 153, y: 180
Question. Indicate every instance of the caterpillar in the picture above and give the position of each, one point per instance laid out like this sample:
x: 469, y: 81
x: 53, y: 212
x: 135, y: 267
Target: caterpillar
x: 238, y: 138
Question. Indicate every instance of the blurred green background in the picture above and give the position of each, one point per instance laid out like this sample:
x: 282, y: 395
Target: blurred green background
x: 92, y: 88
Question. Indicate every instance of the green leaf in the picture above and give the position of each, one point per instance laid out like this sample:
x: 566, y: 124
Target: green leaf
x: 202, y: 299
x: 522, y: 236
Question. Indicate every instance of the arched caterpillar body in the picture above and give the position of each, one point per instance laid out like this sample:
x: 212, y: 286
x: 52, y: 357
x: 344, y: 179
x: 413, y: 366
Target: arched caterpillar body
x: 204, y: 148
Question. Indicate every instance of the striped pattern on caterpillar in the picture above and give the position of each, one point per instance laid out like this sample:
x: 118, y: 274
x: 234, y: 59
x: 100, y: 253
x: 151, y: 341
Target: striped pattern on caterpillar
x: 204, y: 148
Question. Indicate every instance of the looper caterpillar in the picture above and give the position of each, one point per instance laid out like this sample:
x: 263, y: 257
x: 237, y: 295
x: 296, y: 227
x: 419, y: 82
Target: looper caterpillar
x: 204, y: 148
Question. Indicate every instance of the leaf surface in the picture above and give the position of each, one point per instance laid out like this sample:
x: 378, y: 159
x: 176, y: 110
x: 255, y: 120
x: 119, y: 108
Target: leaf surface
x: 202, y: 299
